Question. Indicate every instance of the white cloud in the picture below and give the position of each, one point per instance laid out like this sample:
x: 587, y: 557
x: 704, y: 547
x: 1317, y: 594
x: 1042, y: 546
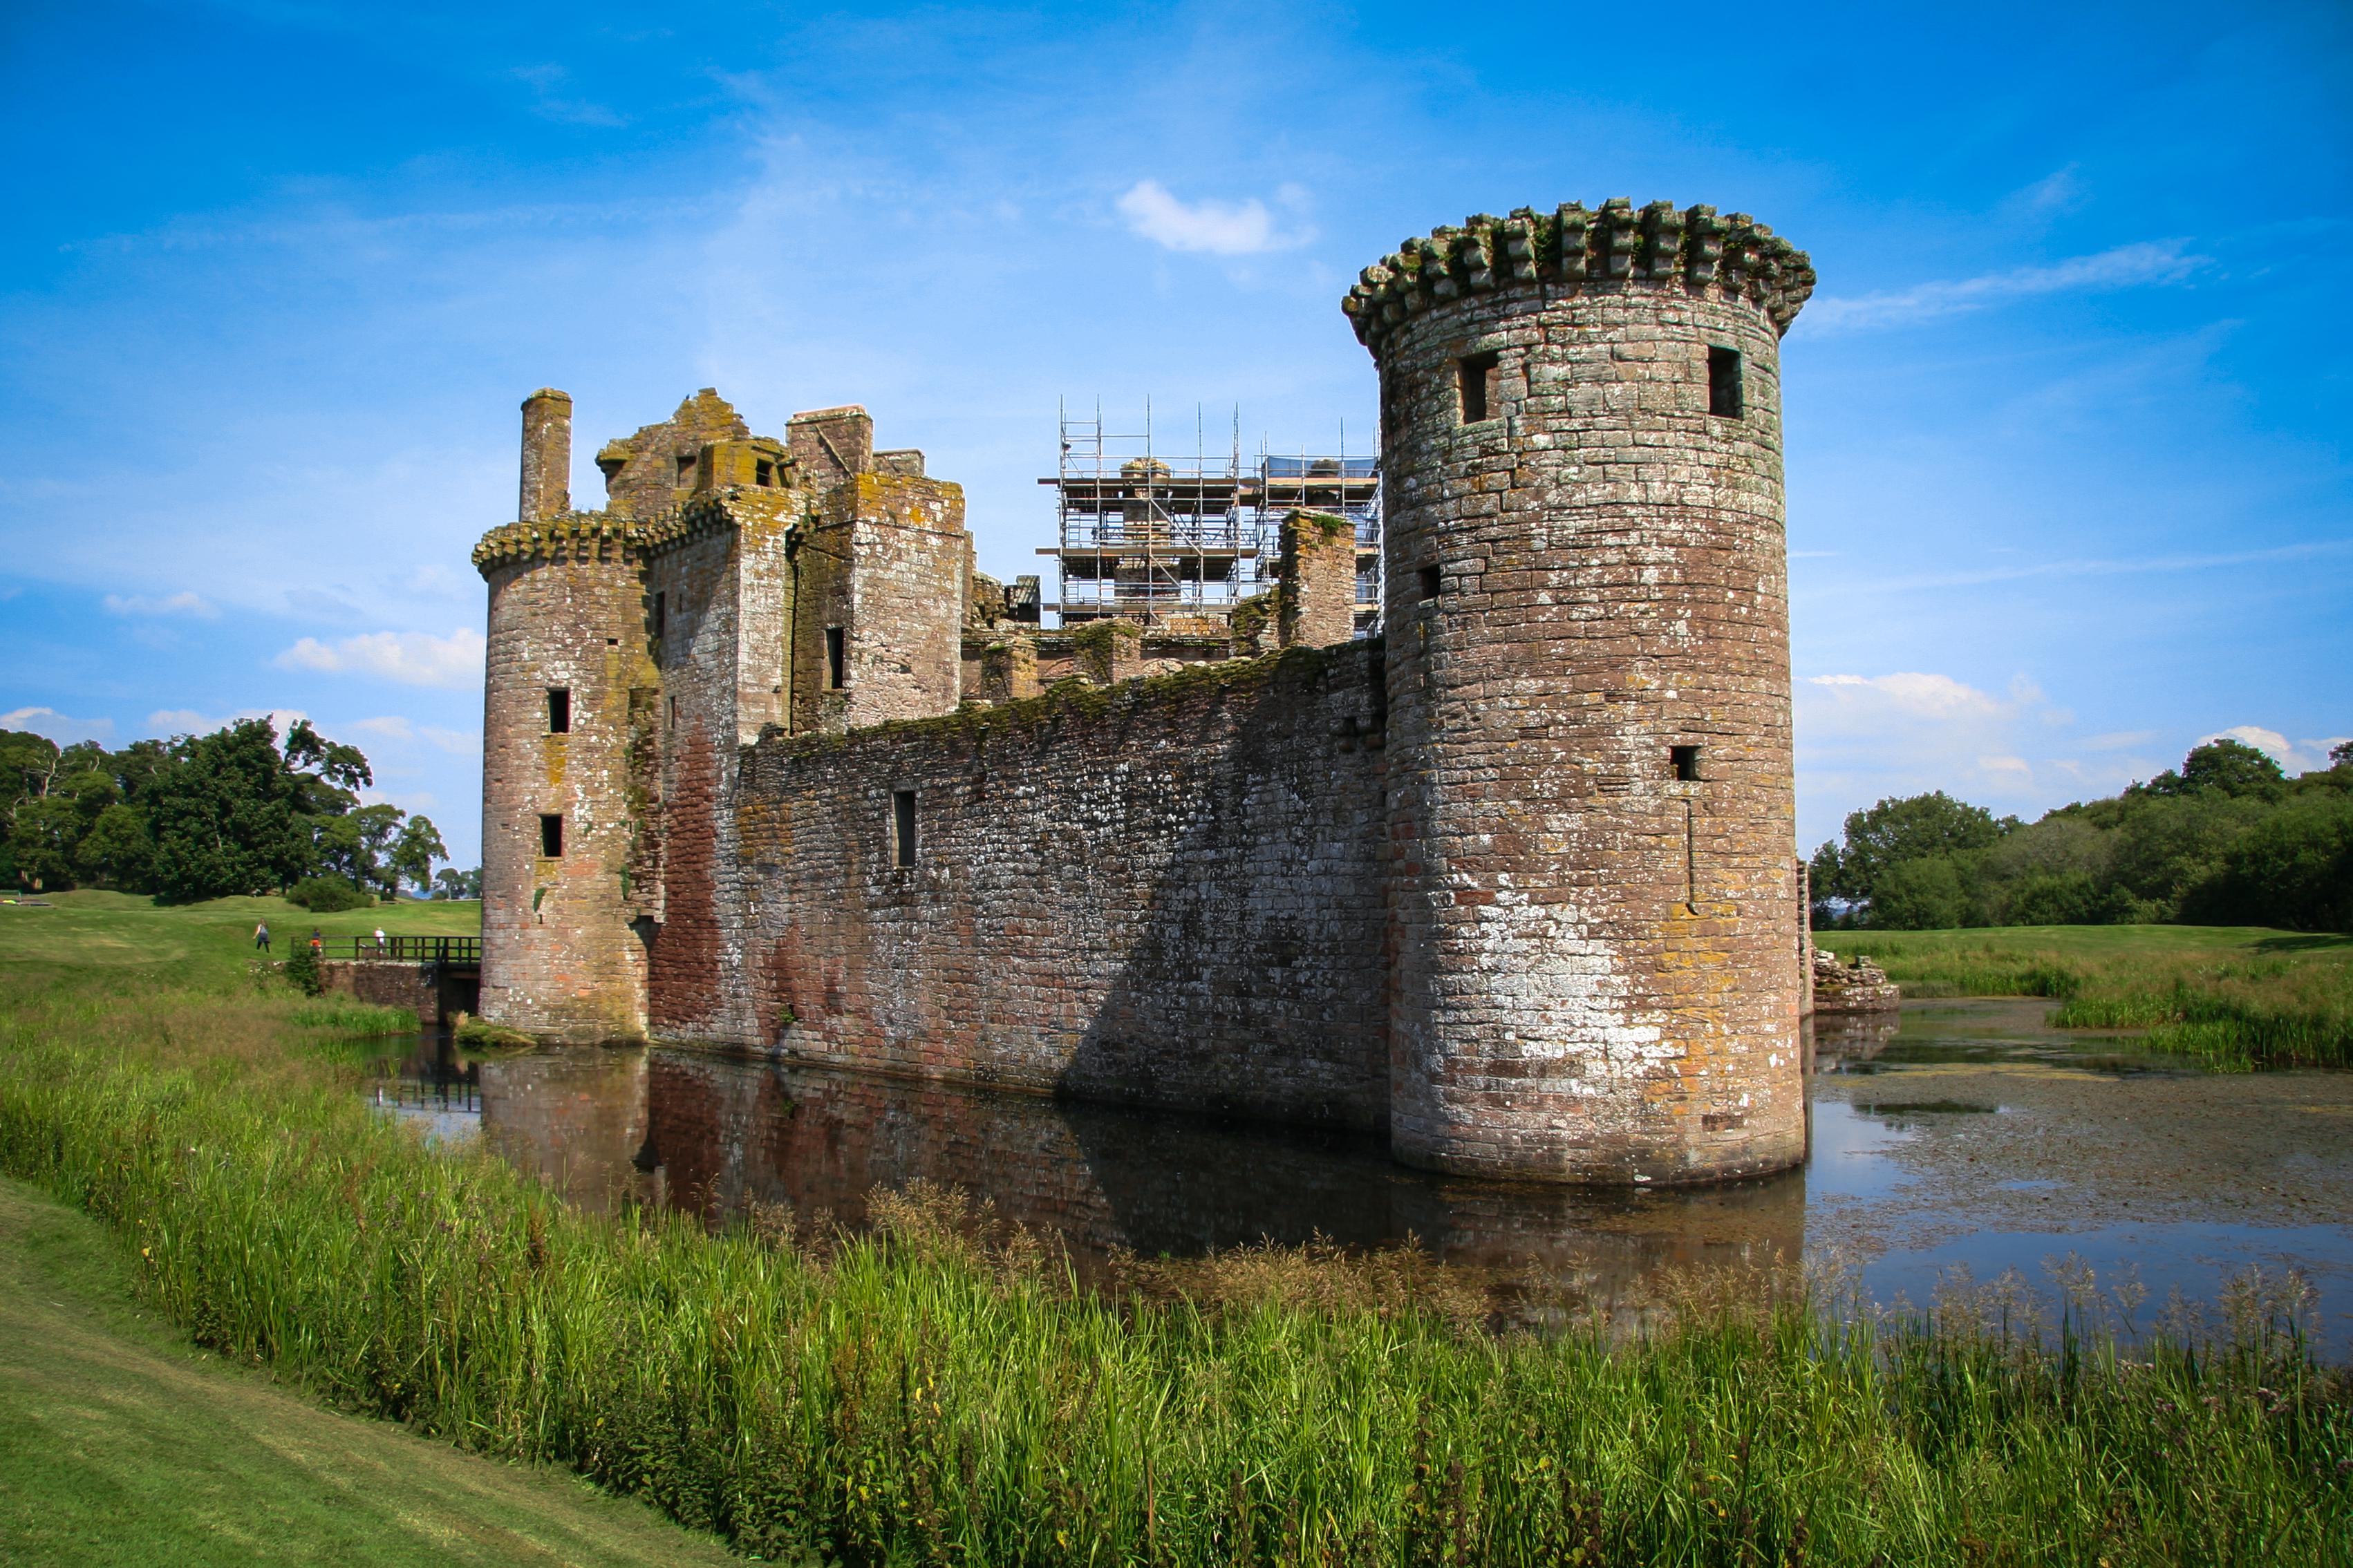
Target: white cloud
x: 2058, y: 191
x: 1866, y: 737
x: 56, y: 726
x: 182, y: 604
x: 412, y: 658
x: 393, y: 727
x: 2296, y: 756
x: 1222, y: 228
x: 2149, y: 262
x: 1911, y: 694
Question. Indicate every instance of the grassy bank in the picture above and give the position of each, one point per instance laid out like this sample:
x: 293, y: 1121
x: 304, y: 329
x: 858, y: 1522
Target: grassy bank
x: 2231, y: 997
x: 121, y: 1442
x: 922, y: 1395
x: 93, y: 940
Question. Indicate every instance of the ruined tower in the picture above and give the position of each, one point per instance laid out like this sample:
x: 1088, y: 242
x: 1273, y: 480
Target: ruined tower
x: 567, y: 645
x: 1592, y: 813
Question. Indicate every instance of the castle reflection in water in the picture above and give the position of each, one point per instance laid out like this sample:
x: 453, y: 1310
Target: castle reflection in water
x: 713, y: 1134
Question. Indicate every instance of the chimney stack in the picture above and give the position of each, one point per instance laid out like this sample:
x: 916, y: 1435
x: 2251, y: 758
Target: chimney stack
x: 546, y: 455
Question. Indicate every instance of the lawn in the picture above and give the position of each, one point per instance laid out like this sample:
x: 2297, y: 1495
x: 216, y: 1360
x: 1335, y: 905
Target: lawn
x: 2232, y: 996
x: 121, y: 1442
x: 109, y: 939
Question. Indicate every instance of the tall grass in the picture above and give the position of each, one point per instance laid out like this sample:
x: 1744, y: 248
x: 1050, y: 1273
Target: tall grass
x: 2228, y: 1011
x: 341, y: 1016
x: 931, y: 1395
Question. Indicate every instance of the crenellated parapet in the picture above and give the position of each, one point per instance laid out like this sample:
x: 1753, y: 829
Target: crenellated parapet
x: 601, y: 536
x: 567, y: 536
x: 1619, y: 246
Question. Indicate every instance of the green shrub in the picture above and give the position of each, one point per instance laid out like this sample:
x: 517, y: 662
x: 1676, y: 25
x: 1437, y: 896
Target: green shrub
x: 302, y: 970
x: 328, y: 895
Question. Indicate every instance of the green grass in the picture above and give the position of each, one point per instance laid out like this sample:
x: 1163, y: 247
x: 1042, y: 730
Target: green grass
x: 90, y: 938
x: 2231, y: 997
x: 121, y: 1442
x: 940, y: 1392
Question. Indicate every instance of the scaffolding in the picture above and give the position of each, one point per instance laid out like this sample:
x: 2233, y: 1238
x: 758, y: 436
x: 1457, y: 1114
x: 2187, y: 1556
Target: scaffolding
x: 1158, y: 540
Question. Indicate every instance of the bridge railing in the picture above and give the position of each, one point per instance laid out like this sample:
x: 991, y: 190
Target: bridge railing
x: 402, y: 949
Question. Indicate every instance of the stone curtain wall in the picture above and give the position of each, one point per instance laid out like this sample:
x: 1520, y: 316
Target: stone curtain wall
x: 1170, y: 894
x: 1597, y: 975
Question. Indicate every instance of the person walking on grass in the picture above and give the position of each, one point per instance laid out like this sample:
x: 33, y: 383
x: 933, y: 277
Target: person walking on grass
x: 262, y: 936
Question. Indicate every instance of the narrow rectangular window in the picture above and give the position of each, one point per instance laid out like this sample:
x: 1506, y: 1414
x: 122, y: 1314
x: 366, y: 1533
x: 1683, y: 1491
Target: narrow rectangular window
x: 1724, y: 383
x: 559, y: 710
x: 764, y: 474
x: 673, y: 712
x: 1430, y: 582
x: 1684, y: 760
x: 685, y: 469
x: 661, y: 614
x: 551, y: 836
x: 1475, y: 384
x: 903, y: 827
x: 837, y: 670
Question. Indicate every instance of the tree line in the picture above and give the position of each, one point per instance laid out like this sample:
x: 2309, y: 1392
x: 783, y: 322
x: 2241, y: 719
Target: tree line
x: 205, y: 817
x: 2227, y: 838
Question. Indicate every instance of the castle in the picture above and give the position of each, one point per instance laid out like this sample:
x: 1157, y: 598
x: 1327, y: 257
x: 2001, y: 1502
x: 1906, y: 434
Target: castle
x: 768, y: 765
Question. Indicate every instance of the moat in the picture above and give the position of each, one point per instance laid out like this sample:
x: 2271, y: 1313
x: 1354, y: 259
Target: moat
x: 1963, y: 1135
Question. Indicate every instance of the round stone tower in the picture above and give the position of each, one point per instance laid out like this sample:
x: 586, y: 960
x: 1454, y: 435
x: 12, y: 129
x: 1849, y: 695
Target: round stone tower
x: 560, y: 737
x: 1590, y: 770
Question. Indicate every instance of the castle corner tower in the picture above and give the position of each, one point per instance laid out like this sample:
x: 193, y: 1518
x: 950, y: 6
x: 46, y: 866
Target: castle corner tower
x: 1590, y: 773
x: 562, y: 957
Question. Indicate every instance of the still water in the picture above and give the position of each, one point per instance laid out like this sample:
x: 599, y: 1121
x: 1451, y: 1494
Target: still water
x: 1960, y: 1135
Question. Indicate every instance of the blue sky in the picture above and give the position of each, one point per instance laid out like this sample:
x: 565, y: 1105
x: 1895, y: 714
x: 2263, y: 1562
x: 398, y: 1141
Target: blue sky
x: 2067, y: 419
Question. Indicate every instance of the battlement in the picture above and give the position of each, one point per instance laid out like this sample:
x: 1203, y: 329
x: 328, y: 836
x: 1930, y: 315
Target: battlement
x: 1620, y: 245
x: 572, y: 535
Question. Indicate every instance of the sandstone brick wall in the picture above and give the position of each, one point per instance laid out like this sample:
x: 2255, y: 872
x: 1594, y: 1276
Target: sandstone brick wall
x: 699, y: 582
x: 1595, y: 973
x: 559, y: 954
x: 884, y: 565
x: 1317, y: 580
x: 546, y: 455
x: 1169, y: 893
x: 411, y: 987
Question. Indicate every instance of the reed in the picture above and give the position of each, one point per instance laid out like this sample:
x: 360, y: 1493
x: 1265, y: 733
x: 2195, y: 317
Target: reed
x: 2226, y: 999
x: 934, y: 1392
x: 341, y: 1016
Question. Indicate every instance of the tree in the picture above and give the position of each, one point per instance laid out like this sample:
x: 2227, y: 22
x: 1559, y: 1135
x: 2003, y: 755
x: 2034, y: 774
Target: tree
x: 1921, y: 895
x: 2295, y: 868
x: 230, y: 816
x: 41, y: 841
x: 1913, y: 827
x: 356, y: 843
x: 117, y: 850
x: 2223, y: 766
x: 414, y: 852
x: 452, y: 883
